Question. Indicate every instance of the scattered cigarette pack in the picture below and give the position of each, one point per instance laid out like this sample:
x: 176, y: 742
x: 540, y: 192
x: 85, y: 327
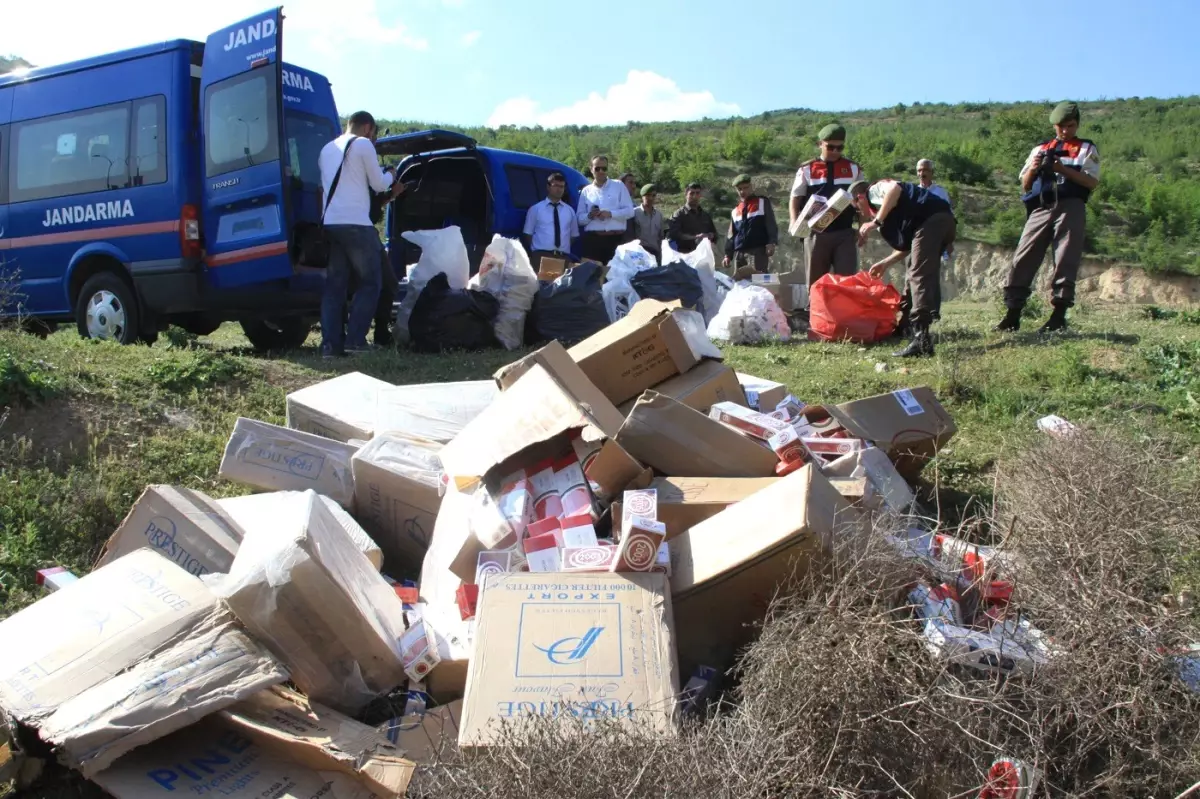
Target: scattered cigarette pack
x: 759, y: 425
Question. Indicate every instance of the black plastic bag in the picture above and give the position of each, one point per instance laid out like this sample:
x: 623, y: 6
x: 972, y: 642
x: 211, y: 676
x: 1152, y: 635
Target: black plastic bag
x: 444, y: 319
x: 568, y: 310
x: 675, y: 281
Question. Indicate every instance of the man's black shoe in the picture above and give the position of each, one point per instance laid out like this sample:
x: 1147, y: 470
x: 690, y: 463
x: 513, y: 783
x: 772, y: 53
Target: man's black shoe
x: 1056, y: 322
x: 1011, y: 322
x: 921, y: 345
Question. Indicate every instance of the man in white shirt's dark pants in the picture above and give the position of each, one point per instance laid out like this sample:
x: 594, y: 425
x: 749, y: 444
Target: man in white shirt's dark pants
x: 604, y: 213
x: 355, y: 248
x: 550, y: 225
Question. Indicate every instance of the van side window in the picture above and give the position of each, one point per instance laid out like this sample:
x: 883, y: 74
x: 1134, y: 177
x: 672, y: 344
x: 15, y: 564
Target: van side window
x: 240, y: 125
x: 523, y: 187
x: 74, y: 153
x: 306, y: 136
x: 149, y: 158
x: 3, y: 164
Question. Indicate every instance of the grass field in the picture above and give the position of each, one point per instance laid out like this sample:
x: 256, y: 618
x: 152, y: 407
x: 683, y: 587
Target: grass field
x: 89, y: 424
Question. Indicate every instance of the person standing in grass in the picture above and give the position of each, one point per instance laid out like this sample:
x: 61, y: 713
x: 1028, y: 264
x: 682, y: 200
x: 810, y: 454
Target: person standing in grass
x: 925, y: 178
x: 914, y: 220
x: 753, y: 231
x: 833, y: 249
x: 1057, y: 179
x: 690, y: 223
x: 604, y: 213
x: 648, y: 222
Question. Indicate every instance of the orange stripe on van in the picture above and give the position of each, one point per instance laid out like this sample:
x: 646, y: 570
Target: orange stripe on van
x: 91, y: 234
x: 237, y: 256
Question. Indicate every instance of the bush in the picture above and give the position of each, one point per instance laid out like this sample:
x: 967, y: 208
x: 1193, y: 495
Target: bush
x: 696, y: 171
x: 1008, y: 225
x: 746, y: 146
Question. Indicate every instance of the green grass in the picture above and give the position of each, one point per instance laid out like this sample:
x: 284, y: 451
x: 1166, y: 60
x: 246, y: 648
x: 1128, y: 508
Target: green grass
x: 90, y: 424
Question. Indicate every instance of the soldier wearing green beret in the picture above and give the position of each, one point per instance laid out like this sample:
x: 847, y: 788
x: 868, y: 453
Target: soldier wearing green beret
x: 753, y: 231
x: 1056, y: 181
x: 648, y: 222
x: 833, y: 249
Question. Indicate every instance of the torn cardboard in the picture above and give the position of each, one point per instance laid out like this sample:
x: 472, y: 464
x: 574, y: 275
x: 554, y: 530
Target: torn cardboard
x: 578, y: 646
x: 909, y: 425
x: 339, y: 409
x: 285, y: 513
x: 316, y: 600
x: 133, y: 651
x: 215, y: 758
x: 321, y: 738
x: 428, y: 738
x: 186, y: 527
x: 653, y: 342
x: 700, y: 388
x: 398, y: 494
x: 683, y: 442
x: 762, y: 395
x: 566, y: 372
x: 433, y: 412
x: 684, y: 502
x: 275, y: 458
x: 727, y: 569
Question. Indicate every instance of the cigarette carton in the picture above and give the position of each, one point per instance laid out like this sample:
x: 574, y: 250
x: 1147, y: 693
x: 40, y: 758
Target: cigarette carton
x: 640, y: 542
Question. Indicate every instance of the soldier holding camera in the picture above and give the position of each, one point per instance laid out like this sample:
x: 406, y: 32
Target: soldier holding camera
x: 1056, y: 181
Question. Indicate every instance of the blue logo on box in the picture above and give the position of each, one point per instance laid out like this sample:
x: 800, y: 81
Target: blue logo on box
x: 563, y: 652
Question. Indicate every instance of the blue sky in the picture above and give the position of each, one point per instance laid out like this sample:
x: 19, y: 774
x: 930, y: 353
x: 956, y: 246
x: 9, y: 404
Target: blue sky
x: 553, y: 63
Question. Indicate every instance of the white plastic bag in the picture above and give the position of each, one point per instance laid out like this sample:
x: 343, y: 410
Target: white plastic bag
x: 704, y: 262
x: 506, y: 274
x: 630, y: 259
x: 749, y: 315
x: 441, y: 251
x: 619, y: 297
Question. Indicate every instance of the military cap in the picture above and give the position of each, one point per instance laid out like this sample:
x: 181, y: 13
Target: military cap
x: 1064, y: 112
x: 832, y: 132
x: 649, y: 188
x: 742, y: 178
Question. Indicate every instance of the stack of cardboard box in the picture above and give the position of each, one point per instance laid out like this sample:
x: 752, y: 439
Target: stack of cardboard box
x: 579, y: 538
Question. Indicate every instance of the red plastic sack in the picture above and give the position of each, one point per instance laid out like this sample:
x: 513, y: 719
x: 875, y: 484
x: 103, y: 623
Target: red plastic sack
x: 856, y: 308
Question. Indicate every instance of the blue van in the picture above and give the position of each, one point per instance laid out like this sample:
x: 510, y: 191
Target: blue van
x: 482, y: 190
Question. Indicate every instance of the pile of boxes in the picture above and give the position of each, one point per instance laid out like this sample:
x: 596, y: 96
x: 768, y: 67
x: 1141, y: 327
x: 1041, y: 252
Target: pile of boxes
x: 592, y: 534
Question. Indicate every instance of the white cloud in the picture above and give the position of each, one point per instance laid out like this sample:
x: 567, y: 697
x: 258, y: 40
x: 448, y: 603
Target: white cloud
x: 642, y: 97
x: 470, y: 38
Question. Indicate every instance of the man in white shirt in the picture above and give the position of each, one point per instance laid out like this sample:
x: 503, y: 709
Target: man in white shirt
x: 604, y: 213
x: 925, y: 175
x: 355, y: 249
x: 550, y: 225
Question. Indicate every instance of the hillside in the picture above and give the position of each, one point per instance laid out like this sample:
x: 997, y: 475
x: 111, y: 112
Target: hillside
x: 1146, y: 209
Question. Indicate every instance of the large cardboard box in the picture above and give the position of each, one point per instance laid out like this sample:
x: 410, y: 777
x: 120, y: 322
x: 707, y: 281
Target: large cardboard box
x: 684, y: 502
x: 761, y: 394
x: 398, y: 492
x: 572, y: 646
x: 700, y: 388
x: 133, y: 651
x: 567, y: 373
x: 434, y: 412
x: 275, y: 458
x: 186, y: 527
x: 309, y: 733
x: 910, y: 425
x: 285, y: 513
x: 315, y: 599
x: 653, y: 342
x: 339, y: 409
x: 726, y: 570
x: 215, y: 758
x: 683, y: 442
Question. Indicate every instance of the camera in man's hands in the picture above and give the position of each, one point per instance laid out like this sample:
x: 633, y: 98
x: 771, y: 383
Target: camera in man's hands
x: 1049, y: 159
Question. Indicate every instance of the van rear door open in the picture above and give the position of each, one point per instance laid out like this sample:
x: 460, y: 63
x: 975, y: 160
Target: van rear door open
x: 246, y: 212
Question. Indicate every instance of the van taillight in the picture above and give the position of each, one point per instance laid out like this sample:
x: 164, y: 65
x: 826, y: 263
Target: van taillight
x: 189, y: 232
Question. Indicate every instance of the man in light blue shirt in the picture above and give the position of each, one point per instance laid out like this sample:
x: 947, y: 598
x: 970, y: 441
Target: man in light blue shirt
x: 551, y: 224
x: 925, y: 173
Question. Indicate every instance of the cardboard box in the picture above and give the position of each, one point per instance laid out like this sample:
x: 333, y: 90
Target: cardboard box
x: 762, y: 395
x: 653, y: 342
x: 700, y: 388
x: 573, y: 646
x: 887, y: 490
x: 909, y: 425
x: 216, y: 758
x: 551, y: 268
x: 727, y: 569
x: 397, y: 484
x: 684, y: 502
x: 133, y: 651
x: 429, y: 737
x: 683, y: 442
x: 339, y: 409
x: 321, y: 606
x: 309, y: 733
x: 186, y: 527
x: 432, y: 412
x: 541, y: 406
x: 275, y: 458
x: 285, y: 513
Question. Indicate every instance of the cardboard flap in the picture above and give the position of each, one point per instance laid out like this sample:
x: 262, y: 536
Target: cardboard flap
x: 682, y: 442
x: 687, y: 339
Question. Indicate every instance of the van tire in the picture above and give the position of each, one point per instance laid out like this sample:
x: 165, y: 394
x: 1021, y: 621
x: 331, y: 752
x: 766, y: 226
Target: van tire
x: 277, y: 335
x: 114, y: 309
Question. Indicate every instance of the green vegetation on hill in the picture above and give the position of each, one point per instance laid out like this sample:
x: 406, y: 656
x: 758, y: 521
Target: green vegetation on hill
x: 1146, y: 209
x: 9, y: 63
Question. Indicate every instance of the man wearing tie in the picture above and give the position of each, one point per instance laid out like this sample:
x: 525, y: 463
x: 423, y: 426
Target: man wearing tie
x: 550, y: 225
x: 604, y: 213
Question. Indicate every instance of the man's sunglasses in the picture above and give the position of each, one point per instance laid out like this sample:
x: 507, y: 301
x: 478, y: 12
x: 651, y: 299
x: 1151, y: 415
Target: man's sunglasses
x: 835, y: 147
x: 599, y: 169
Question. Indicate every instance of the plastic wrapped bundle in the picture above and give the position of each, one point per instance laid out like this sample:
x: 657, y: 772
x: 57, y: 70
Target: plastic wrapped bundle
x: 749, y: 315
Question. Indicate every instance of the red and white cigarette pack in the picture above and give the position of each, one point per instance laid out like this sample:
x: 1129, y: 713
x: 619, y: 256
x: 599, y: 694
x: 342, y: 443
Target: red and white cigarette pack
x: 793, y: 407
x: 663, y: 562
x: 788, y: 446
x: 578, y: 532
x: 638, y: 504
x: 574, y: 495
x: 418, y: 652
x: 541, y: 553
x: 832, y: 448
x: 547, y: 502
x: 467, y: 597
x: 638, y: 550
x: 589, y: 559
x: 55, y: 578
x: 759, y: 425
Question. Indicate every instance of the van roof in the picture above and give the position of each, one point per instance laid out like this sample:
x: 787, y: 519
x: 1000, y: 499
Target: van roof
x: 36, y: 73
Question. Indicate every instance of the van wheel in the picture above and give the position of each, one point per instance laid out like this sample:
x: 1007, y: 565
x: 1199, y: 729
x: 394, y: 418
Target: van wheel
x: 107, y: 309
x: 286, y: 333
